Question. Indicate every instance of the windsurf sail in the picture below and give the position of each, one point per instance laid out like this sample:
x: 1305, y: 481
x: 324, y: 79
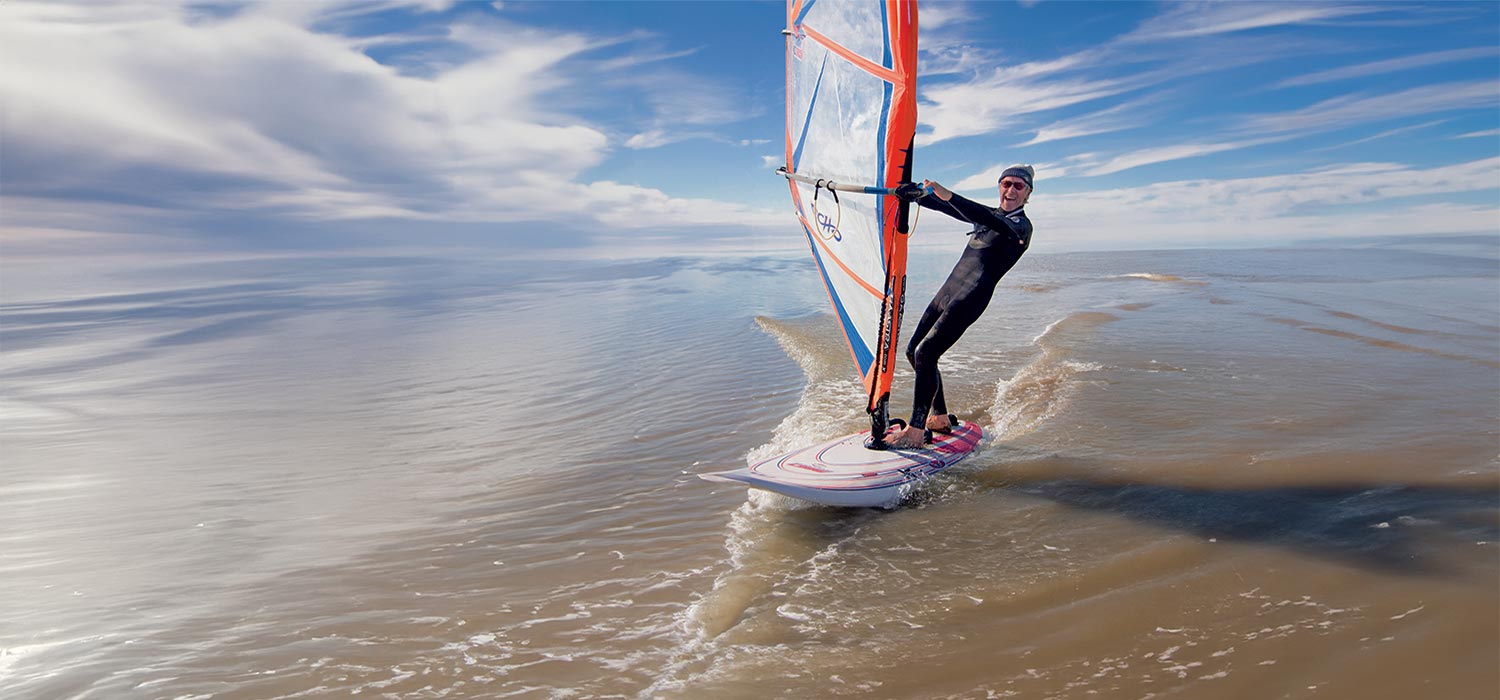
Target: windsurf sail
x: 851, y: 113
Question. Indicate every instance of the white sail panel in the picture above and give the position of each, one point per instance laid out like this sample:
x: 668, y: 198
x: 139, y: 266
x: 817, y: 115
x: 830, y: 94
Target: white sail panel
x: 851, y: 114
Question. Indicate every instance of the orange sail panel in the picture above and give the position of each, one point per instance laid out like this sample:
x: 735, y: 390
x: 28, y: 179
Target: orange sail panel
x: 851, y: 113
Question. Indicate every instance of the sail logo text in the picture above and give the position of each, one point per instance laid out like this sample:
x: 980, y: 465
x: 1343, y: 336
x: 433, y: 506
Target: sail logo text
x: 828, y: 229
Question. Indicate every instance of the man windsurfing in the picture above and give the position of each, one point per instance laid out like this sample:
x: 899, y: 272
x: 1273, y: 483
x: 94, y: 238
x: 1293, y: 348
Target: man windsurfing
x: 1000, y: 236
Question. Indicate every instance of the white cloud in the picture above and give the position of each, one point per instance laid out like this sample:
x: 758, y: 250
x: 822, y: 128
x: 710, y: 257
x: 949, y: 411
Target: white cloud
x: 1075, y: 232
x: 1387, y: 134
x: 1163, y: 154
x: 636, y: 60
x: 940, y: 15
x: 649, y: 139
x: 259, y: 108
x: 1185, y: 41
x: 325, y: 204
x: 983, y: 181
x: 991, y: 103
x: 1256, y: 130
x: 656, y: 138
x: 1389, y: 66
x: 1200, y: 19
x: 683, y: 107
x: 986, y: 180
x: 1341, y: 111
x: 1126, y: 115
x: 632, y: 207
x: 997, y: 99
x: 1355, y: 199
x: 304, y: 13
x: 105, y: 90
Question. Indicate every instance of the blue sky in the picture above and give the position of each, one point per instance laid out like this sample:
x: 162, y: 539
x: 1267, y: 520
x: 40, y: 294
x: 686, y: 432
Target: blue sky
x: 652, y: 128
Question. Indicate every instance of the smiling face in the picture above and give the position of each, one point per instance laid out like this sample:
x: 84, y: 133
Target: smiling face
x: 1013, y: 193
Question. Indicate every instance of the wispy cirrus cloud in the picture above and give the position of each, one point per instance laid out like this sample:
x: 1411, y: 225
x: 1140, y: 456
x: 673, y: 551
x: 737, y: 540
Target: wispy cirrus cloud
x: 1183, y: 44
x: 1121, y: 85
x: 1391, y: 65
x: 1006, y: 94
x: 947, y: 48
x: 1336, y: 113
x: 1388, y: 133
x: 1201, y: 19
x: 1165, y: 154
x: 1126, y: 115
x: 689, y: 108
x: 1341, y: 111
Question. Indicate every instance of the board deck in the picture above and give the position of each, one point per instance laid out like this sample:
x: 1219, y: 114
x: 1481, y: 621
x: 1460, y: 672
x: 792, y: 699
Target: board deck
x: 843, y: 472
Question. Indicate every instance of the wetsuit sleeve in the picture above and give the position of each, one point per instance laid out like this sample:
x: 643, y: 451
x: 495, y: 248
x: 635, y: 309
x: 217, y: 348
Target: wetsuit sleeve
x: 981, y: 215
x: 964, y: 209
x: 932, y: 202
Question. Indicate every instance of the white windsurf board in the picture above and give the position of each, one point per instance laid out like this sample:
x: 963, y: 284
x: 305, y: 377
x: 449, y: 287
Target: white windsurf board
x: 843, y: 472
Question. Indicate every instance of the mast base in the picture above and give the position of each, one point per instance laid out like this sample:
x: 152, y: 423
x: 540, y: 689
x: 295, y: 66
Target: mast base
x: 876, y: 441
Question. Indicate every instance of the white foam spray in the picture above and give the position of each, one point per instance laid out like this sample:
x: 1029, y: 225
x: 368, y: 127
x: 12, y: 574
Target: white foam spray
x: 1045, y: 386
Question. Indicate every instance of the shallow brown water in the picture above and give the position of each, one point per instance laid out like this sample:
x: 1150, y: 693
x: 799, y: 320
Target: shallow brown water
x: 1227, y: 474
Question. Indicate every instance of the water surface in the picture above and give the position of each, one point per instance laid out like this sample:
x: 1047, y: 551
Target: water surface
x: 1244, y: 473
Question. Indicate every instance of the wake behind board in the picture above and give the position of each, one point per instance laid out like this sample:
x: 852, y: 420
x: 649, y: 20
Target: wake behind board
x: 843, y: 472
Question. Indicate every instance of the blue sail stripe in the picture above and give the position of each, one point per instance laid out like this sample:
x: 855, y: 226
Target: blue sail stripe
x: 863, y: 356
x: 880, y: 164
x: 887, y: 58
x: 803, y: 15
x: 802, y: 139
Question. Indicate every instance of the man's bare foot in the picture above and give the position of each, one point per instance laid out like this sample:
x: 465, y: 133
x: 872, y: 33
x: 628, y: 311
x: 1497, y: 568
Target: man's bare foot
x: 910, y: 437
x: 940, y: 424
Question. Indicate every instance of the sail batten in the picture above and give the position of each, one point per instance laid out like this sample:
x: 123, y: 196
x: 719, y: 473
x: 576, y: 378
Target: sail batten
x: 851, y: 116
x: 865, y: 64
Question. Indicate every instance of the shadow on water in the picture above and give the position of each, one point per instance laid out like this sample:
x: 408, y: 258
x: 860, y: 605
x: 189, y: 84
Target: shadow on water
x: 1390, y: 527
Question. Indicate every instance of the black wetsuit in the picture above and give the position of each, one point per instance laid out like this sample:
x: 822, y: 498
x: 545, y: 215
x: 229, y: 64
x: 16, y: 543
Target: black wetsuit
x: 996, y: 243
